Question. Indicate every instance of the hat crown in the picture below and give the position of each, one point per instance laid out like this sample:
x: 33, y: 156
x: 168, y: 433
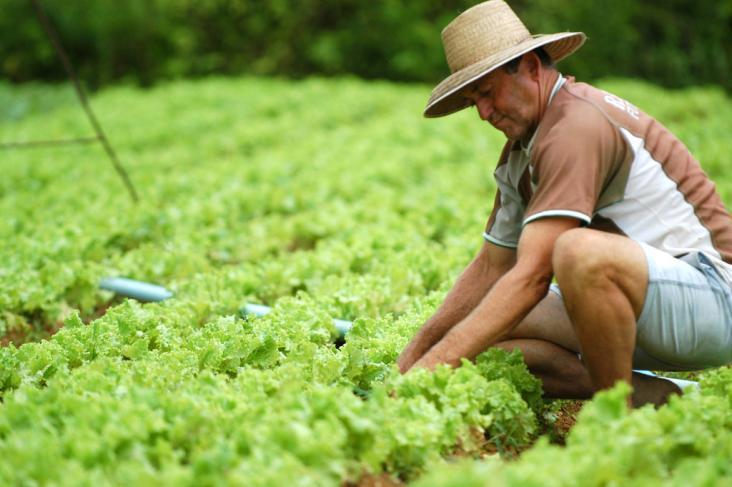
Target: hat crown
x: 482, y: 31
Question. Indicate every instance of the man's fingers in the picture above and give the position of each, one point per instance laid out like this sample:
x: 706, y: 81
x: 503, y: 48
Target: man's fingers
x: 405, y: 363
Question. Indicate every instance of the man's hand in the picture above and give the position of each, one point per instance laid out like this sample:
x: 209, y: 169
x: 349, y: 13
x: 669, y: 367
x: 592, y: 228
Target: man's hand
x: 428, y: 362
x: 408, y: 357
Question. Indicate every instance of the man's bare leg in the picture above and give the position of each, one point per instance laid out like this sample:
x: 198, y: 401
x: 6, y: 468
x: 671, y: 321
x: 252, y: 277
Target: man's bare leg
x: 560, y: 371
x: 603, y: 279
x: 549, y: 344
x: 563, y: 376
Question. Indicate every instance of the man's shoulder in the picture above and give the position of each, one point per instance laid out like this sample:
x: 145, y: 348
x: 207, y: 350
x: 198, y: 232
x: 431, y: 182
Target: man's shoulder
x: 576, y: 114
x: 579, y: 103
x: 584, y: 104
x: 581, y: 91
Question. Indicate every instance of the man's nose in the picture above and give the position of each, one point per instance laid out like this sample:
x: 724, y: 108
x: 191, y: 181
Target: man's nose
x: 485, y: 108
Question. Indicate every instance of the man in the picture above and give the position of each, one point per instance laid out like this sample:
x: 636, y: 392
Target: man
x: 595, y: 194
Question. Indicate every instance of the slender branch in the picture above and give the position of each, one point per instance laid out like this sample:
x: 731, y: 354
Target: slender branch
x: 46, y: 24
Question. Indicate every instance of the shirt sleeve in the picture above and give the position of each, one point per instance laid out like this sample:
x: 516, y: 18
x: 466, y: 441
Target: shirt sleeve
x: 504, y: 224
x: 573, y: 161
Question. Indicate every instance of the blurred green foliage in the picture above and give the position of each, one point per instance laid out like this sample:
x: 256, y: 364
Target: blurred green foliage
x: 671, y: 42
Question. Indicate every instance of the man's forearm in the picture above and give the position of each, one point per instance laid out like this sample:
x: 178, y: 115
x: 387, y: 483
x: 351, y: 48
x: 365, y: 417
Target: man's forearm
x: 507, y: 303
x: 467, y: 292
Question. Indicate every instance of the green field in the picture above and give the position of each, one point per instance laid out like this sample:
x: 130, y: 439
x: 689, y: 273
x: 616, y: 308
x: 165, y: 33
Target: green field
x: 323, y: 199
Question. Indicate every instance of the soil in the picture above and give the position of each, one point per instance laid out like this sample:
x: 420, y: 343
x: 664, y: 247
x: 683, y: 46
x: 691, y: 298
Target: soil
x: 15, y: 336
x: 33, y: 332
x: 37, y: 329
x: 566, y: 419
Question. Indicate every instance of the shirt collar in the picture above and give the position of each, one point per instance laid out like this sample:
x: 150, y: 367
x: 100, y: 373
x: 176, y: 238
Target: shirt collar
x: 557, y: 85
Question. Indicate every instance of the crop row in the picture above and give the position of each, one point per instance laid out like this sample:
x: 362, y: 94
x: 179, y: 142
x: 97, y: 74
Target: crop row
x: 323, y: 199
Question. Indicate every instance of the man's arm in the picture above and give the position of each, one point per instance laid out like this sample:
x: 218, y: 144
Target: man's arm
x: 508, y: 301
x: 470, y: 288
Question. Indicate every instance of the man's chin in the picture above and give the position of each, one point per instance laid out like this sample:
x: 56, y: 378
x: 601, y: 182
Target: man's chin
x: 510, y: 134
x: 513, y: 135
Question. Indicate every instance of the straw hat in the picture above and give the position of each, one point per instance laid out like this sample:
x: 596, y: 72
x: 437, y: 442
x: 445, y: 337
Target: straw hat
x: 483, y: 38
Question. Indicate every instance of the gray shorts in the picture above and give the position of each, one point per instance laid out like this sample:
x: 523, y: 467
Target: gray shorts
x: 686, y: 322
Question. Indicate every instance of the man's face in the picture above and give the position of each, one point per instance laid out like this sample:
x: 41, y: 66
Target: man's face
x: 508, y: 101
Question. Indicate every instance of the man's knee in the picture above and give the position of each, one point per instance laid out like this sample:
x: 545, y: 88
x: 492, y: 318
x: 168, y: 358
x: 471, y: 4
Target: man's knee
x: 581, y: 254
x: 589, y: 261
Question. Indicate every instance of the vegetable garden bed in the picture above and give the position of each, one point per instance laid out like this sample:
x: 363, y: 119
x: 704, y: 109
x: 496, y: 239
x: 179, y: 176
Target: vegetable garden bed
x: 322, y: 199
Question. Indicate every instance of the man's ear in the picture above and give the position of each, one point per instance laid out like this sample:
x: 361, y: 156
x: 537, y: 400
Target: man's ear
x: 531, y: 65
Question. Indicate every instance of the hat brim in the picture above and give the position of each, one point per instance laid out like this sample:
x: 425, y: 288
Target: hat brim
x: 446, y: 98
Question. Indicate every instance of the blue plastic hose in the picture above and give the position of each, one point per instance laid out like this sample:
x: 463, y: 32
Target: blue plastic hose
x: 141, y: 291
x: 250, y: 309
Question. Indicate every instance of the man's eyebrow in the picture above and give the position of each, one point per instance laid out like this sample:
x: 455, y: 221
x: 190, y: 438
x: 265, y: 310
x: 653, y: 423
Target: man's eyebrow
x: 477, y: 89
x: 483, y: 89
x: 469, y: 90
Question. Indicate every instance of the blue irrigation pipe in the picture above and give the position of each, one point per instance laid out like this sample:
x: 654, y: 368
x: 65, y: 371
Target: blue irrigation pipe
x: 148, y: 293
x: 143, y: 291
x: 250, y: 309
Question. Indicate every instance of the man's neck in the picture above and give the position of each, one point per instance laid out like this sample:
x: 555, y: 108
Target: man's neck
x: 547, y: 82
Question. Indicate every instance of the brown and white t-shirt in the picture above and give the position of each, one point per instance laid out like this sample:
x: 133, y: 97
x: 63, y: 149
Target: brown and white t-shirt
x: 597, y: 158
